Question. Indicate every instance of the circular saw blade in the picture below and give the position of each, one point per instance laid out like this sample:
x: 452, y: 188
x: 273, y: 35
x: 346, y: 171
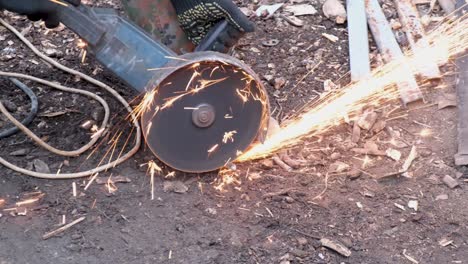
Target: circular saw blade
x: 204, y: 115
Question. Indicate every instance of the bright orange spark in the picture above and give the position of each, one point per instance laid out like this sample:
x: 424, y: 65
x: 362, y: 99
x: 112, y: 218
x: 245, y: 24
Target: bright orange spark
x: 59, y: 2
x: 229, y: 136
x: 153, y: 168
x: 213, y: 148
x: 110, y: 185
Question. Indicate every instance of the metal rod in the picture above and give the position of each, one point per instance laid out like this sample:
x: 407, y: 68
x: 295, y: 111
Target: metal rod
x: 388, y: 47
x: 358, y: 40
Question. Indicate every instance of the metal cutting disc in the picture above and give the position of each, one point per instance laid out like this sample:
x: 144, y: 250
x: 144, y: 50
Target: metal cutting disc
x: 204, y: 115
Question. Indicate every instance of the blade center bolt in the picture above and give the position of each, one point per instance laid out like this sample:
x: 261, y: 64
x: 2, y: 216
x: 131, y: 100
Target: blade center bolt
x: 204, y: 115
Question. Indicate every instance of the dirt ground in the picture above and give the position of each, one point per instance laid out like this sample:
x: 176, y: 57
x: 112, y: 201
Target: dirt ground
x: 270, y: 215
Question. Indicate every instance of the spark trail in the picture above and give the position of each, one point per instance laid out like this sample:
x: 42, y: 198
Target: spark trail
x: 447, y: 40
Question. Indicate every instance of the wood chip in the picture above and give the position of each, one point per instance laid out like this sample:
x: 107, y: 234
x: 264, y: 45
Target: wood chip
x: 393, y: 154
x: 336, y: 246
x: 293, y: 21
x: 301, y: 10
x: 409, y: 160
x: 444, y: 103
x: 450, y: 182
x: 356, y: 135
x: 367, y: 120
x: 445, y: 242
x: 115, y: 179
x: 399, y: 206
x: 62, y: 229
x: 330, y: 37
x: 41, y: 166
x: 409, y: 257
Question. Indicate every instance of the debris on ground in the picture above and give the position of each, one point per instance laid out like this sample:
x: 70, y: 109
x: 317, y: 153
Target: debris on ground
x: 336, y: 246
x: 449, y: 181
x: 335, y: 10
x: 175, y: 186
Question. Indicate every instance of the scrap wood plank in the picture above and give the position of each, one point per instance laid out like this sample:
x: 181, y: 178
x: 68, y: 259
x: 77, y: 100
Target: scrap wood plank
x: 416, y: 35
x: 390, y: 50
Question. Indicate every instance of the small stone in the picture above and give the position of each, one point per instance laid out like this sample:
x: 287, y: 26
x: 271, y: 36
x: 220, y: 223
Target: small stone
x: 450, y: 182
x: 279, y: 82
x: 211, y: 211
x: 368, y: 193
x: 413, y: 204
x: 97, y: 114
x: 40, y: 166
x: 335, y: 156
x: 425, y: 152
x: 289, y: 199
x: 334, y: 9
x: 441, y: 197
x: 434, y: 179
x: 329, y: 85
x: 302, y: 241
x: 393, y: 154
x: 268, y: 163
x: 354, y: 174
x: 20, y: 152
x: 268, y: 78
x: 367, y: 120
x: 299, y: 253
x: 301, y: 10
x: 175, y: 186
x: 338, y: 167
x: 458, y: 175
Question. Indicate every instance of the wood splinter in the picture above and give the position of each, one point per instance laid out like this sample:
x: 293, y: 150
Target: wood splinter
x: 62, y: 228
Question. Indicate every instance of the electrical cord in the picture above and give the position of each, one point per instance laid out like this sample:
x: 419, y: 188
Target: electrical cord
x: 33, y: 112
x: 87, y: 78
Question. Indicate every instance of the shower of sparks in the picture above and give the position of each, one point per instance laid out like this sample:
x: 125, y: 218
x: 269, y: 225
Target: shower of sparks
x: 448, y: 39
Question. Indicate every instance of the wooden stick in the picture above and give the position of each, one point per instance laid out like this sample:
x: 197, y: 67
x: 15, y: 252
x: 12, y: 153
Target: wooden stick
x: 409, y: 18
x: 358, y: 40
x: 388, y: 46
x: 62, y: 228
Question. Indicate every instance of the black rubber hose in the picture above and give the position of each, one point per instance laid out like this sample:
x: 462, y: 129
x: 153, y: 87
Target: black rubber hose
x: 32, y: 114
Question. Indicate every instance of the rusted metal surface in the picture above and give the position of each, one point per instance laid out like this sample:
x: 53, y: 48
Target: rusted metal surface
x: 415, y: 33
x: 390, y: 50
x: 158, y: 18
x: 358, y: 40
